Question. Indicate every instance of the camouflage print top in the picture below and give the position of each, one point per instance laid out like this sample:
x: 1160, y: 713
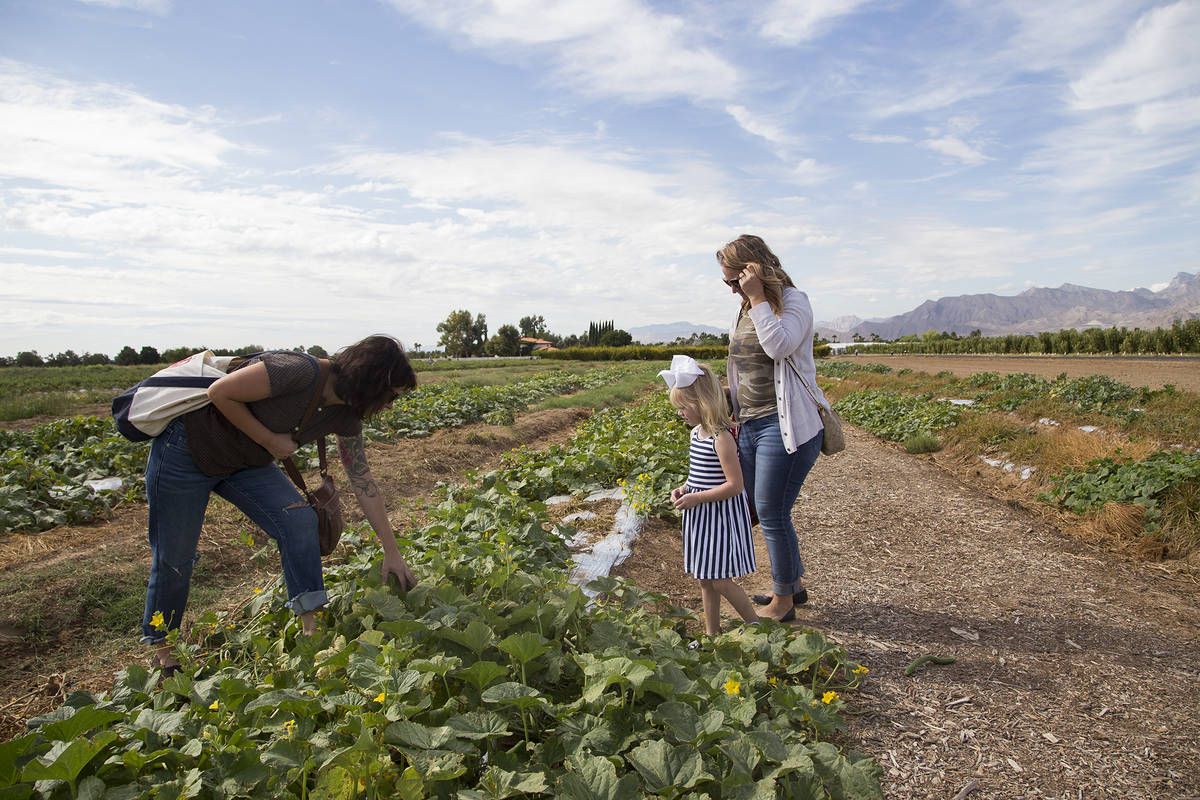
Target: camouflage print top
x: 756, y: 372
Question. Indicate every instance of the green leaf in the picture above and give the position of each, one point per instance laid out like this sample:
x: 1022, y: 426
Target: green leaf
x: 164, y: 723
x: 595, y: 778
x: 335, y: 783
x: 665, y: 767
x: 284, y: 754
x: 524, y: 646
x: 475, y: 637
x: 79, y: 723
x: 481, y: 674
x: 478, y: 725
x: 743, y: 756
x: 509, y: 693
x: 497, y: 784
x: 65, y: 760
x: 11, y: 752
x: 413, y: 734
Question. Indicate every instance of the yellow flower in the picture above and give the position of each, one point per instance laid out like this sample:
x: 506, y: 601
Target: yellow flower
x: 732, y: 687
x: 773, y: 680
x: 829, y: 697
x: 215, y: 705
x: 157, y: 621
x: 860, y: 670
x: 287, y: 726
x: 380, y: 697
x: 258, y: 591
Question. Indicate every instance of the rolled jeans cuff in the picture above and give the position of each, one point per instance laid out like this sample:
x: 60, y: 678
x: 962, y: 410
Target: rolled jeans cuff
x: 308, y: 601
x: 786, y: 590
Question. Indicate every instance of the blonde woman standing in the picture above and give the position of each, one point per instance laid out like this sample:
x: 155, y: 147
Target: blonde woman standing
x: 779, y: 430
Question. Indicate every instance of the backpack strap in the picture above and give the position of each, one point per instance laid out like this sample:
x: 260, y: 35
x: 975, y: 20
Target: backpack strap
x: 289, y: 463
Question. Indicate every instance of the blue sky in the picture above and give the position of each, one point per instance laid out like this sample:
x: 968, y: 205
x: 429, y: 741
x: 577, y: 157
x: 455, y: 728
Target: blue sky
x: 309, y: 172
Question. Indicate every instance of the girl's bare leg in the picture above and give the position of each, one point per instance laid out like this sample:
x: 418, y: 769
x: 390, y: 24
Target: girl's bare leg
x: 711, y: 599
x: 308, y: 622
x: 737, y: 598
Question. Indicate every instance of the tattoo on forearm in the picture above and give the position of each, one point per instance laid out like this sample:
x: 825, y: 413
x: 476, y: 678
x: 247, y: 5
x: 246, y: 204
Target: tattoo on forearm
x: 354, y: 459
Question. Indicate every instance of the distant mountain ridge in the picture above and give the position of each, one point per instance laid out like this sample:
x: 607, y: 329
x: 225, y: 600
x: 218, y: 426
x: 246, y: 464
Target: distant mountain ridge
x: 1043, y: 309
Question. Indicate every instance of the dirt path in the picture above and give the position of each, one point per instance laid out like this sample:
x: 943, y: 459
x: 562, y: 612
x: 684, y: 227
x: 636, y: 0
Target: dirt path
x: 1077, y: 674
x: 1152, y: 371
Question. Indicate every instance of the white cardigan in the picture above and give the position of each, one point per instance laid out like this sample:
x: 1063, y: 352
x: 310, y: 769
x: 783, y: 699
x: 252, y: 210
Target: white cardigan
x: 789, y: 334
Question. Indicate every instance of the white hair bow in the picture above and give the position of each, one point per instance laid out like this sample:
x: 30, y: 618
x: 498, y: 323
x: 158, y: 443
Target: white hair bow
x: 683, y: 372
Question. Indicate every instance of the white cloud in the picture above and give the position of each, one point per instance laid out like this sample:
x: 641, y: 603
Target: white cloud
x: 955, y: 148
x: 921, y: 252
x: 152, y: 196
x: 1159, y: 58
x: 876, y: 138
x: 620, y: 47
x: 798, y: 21
x: 757, y: 125
x: 153, y: 6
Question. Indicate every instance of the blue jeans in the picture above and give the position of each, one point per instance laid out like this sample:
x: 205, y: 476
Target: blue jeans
x: 178, y: 492
x: 773, y: 478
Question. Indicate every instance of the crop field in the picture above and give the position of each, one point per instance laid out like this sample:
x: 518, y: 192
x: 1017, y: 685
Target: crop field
x: 498, y: 677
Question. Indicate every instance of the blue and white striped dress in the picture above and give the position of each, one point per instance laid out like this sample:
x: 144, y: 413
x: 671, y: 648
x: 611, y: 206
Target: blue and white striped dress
x: 716, y: 536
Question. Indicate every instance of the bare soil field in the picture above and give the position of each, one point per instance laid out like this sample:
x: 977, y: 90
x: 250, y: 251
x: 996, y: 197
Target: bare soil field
x: 1154, y: 372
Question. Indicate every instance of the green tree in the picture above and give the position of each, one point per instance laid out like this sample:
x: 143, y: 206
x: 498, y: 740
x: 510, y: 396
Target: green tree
x: 616, y: 338
x: 127, y: 357
x: 149, y: 355
x: 533, y: 327
x: 317, y: 351
x: 95, y: 358
x: 506, y: 342
x: 29, y: 358
x: 463, y: 334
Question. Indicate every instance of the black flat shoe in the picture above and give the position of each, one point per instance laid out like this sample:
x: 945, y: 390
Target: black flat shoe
x: 787, y: 617
x: 798, y: 599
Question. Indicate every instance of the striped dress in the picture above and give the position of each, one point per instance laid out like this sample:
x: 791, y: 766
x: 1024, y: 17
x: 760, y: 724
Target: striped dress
x: 716, y: 536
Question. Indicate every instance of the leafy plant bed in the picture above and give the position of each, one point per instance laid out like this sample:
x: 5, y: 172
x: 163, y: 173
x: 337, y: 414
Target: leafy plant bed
x: 493, y: 678
x: 1008, y: 424
x: 43, y: 470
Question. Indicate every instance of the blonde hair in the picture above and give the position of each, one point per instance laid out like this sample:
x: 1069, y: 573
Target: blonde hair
x: 751, y: 249
x: 708, y: 398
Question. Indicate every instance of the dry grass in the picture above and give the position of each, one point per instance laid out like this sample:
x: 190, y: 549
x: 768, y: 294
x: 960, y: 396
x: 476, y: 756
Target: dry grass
x: 1063, y: 448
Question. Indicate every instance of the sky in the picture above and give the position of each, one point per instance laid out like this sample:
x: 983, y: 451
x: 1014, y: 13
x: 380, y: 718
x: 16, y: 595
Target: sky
x: 236, y: 172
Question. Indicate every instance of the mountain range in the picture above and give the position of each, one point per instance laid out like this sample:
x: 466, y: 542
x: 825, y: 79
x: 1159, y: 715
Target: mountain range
x: 1032, y: 311
x: 1041, y: 309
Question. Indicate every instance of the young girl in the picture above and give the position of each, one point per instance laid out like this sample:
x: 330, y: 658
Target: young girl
x: 716, y: 516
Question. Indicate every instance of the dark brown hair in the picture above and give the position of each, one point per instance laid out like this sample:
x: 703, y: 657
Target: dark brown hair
x: 366, y: 372
x: 751, y: 249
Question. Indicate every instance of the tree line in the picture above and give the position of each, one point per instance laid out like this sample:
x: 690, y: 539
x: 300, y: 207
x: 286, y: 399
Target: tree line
x: 1183, y: 336
x: 465, y: 334
x: 128, y: 356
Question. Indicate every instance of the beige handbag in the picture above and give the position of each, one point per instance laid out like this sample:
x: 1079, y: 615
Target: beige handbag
x: 834, y: 440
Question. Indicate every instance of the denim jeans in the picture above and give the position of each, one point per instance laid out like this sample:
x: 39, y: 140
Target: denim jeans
x: 178, y: 492
x: 773, y: 478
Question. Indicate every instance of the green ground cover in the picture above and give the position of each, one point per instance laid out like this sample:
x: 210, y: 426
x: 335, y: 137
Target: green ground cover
x: 43, y: 470
x: 493, y: 678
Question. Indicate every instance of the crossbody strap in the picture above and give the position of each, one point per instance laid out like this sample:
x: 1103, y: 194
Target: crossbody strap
x: 796, y: 370
x: 289, y: 463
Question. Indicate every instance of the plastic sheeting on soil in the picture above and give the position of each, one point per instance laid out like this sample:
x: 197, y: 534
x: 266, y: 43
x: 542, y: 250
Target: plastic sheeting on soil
x: 613, y: 548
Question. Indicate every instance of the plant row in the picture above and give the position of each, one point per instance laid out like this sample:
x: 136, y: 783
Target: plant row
x: 493, y: 678
x: 1164, y: 480
x: 44, y: 471
x: 1183, y: 336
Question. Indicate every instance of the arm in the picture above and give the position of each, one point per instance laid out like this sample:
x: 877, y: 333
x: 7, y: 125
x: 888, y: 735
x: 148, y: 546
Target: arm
x: 370, y: 500
x: 726, y: 449
x: 232, y: 393
x: 783, y: 335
